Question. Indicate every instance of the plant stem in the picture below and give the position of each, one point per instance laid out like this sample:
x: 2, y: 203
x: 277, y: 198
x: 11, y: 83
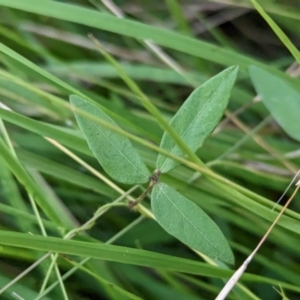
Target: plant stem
x: 153, y: 181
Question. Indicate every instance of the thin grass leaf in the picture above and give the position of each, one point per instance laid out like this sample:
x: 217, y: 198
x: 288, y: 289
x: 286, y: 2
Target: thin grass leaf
x: 59, y: 171
x: 282, y: 100
x: 122, y: 26
x: 103, y: 21
x: 110, y: 253
x: 53, y: 212
x: 114, y: 152
x: 13, y: 212
x: 198, y: 116
x: 277, y: 30
x: 20, y: 94
x: 134, y: 71
x: 110, y: 286
x: 189, y: 223
x: 61, y: 134
x: 18, y: 289
x: 10, y: 191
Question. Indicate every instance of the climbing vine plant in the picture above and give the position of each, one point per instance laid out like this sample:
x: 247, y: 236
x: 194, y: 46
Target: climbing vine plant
x: 194, y: 122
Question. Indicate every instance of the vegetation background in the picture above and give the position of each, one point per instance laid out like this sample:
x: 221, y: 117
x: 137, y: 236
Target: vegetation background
x: 200, y: 38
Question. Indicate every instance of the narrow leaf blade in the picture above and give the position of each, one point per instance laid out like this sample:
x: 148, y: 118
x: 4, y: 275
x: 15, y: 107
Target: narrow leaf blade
x: 282, y: 100
x: 187, y: 222
x: 114, y: 152
x: 198, y: 116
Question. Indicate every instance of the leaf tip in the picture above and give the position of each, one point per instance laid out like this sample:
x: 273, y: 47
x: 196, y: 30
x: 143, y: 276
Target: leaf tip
x: 234, y: 69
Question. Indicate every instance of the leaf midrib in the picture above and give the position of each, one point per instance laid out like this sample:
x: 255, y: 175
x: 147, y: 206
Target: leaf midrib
x: 217, y: 249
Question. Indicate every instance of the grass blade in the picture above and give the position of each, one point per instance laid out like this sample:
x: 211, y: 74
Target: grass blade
x: 30, y: 185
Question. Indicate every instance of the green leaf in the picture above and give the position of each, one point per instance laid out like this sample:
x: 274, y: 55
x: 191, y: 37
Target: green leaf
x: 198, y: 116
x: 187, y: 222
x: 114, y: 152
x: 282, y: 100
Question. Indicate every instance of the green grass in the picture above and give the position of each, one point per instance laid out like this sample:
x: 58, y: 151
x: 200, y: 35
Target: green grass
x: 46, y: 192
